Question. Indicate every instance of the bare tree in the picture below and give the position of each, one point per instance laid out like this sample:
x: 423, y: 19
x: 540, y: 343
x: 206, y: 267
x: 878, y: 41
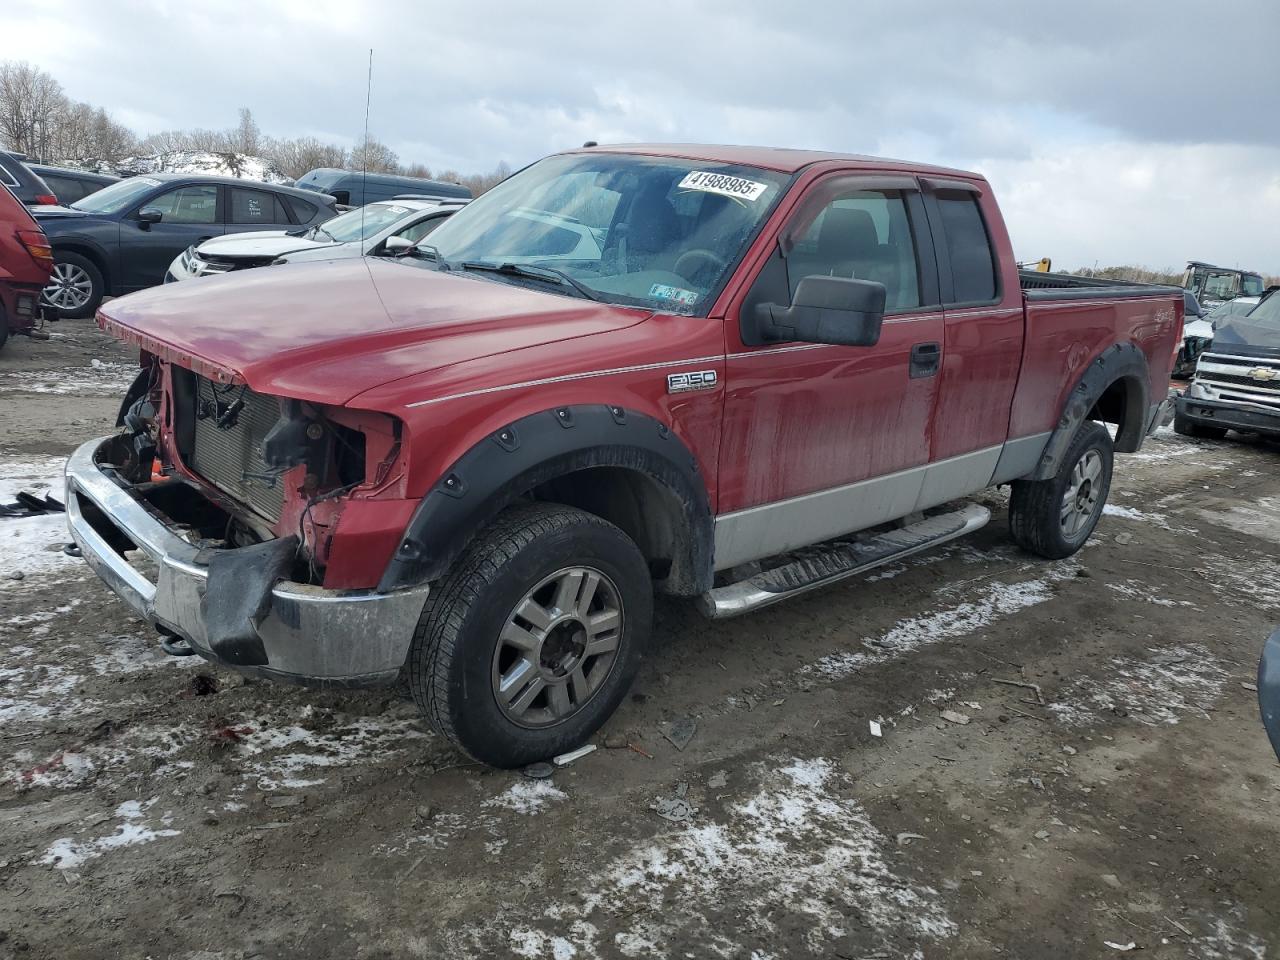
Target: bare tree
x: 374, y: 156
x: 30, y: 104
x: 296, y: 157
x: 246, y: 138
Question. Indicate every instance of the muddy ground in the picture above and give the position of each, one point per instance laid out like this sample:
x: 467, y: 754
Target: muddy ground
x: 157, y: 807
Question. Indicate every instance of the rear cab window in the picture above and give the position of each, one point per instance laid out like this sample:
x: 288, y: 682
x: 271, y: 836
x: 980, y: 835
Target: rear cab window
x: 965, y: 241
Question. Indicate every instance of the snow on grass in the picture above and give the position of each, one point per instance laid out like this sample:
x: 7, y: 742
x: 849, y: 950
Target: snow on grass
x: 1175, y: 681
x: 100, y: 378
x: 994, y: 601
x: 527, y: 796
x: 797, y: 846
x: 69, y: 853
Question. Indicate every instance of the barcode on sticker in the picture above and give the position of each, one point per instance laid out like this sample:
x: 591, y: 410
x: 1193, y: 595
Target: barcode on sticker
x: 723, y: 184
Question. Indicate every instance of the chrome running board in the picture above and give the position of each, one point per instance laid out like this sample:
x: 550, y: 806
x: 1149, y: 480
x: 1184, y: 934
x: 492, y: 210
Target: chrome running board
x: 827, y: 563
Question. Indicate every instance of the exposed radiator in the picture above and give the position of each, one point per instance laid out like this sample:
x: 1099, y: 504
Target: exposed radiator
x: 230, y: 457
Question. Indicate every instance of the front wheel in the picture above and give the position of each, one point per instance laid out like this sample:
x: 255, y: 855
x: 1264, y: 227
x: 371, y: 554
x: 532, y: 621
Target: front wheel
x: 530, y: 642
x: 1055, y: 517
x: 75, y: 288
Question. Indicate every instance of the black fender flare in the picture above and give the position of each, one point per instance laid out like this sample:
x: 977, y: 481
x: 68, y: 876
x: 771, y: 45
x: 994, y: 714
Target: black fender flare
x: 538, y: 448
x: 1121, y: 361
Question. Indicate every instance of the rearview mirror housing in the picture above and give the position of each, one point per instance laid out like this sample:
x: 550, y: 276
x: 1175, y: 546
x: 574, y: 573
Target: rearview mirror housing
x: 150, y: 215
x: 395, y: 246
x: 835, y: 310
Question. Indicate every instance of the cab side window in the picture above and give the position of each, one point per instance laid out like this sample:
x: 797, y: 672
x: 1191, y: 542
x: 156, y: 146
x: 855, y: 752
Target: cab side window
x: 186, y: 204
x: 863, y: 235
x: 973, y: 265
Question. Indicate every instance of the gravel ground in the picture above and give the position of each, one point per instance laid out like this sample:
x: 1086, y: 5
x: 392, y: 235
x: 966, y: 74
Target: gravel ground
x: 158, y: 807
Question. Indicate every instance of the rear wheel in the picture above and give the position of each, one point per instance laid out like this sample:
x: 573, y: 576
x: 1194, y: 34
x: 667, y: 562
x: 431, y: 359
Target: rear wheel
x: 1055, y: 517
x: 75, y: 288
x: 1190, y: 428
x: 531, y: 641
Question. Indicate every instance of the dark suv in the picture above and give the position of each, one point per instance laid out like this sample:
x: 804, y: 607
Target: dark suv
x: 25, y: 185
x: 71, y: 185
x: 123, y: 237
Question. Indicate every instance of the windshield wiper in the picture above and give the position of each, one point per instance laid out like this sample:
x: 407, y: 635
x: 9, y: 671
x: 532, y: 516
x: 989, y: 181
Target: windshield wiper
x: 320, y: 229
x: 551, y: 274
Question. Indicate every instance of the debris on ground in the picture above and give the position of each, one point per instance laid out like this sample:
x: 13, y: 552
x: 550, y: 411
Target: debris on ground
x: 1122, y: 539
x: 679, y: 732
x: 277, y: 800
x: 905, y: 838
x: 538, y: 771
x: 616, y: 741
x: 718, y: 779
x: 954, y: 716
x: 1070, y: 751
x: 675, y: 809
x: 1123, y: 947
x: 566, y: 758
x: 201, y: 685
x: 876, y: 730
x: 1034, y: 687
x: 1111, y: 880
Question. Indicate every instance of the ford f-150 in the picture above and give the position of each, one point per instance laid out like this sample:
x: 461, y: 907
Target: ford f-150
x: 472, y: 465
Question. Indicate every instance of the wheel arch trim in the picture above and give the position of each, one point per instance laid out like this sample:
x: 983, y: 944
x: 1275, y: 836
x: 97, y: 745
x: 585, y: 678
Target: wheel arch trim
x: 1119, y: 362
x: 539, y: 448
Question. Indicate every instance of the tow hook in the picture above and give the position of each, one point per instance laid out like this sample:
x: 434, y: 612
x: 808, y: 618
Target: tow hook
x: 173, y: 644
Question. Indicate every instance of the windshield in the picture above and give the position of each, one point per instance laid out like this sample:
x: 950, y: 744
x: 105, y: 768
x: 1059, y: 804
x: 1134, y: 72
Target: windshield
x: 1259, y: 328
x: 658, y: 232
x: 372, y: 218
x: 117, y: 196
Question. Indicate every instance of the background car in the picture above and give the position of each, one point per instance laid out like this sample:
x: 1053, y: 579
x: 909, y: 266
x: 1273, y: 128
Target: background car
x: 25, y: 185
x: 25, y: 264
x: 407, y: 218
x: 123, y: 237
x: 71, y: 185
x: 355, y: 189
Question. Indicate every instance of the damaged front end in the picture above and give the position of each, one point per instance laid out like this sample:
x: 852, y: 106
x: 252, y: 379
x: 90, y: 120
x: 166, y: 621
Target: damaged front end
x: 219, y: 515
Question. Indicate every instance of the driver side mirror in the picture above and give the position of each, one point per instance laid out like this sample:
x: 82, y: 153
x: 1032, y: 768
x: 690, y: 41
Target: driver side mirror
x: 394, y: 246
x: 834, y: 310
x: 148, y: 216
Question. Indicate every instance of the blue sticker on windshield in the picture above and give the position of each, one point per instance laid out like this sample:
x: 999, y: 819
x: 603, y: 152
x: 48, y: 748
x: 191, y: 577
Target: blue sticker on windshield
x: 676, y: 294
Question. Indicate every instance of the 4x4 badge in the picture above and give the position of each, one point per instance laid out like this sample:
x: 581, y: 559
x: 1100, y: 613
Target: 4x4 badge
x: 684, y: 382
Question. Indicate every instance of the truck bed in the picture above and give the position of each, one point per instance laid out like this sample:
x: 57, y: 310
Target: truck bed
x: 1064, y: 286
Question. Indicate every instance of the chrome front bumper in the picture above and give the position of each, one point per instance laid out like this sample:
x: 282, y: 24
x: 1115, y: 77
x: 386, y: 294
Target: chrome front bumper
x: 311, y: 635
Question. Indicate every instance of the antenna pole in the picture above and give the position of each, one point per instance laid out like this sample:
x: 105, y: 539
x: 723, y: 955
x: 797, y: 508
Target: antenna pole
x: 364, y: 149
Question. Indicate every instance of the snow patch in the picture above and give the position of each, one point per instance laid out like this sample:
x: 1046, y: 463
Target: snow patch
x: 242, y: 165
x: 360, y: 740
x: 100, y: 378
x: 1137, y: 590
x: 1129, y: 513
x: 32, y: 546
x: 1175, y: 681
x: 67, y: 853
x: 797, y: 845
x: 993, y: 602
x: 527, y: 796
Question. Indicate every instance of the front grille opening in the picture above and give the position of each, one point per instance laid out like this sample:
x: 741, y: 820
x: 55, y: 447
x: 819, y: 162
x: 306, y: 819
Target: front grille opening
x: 229, y: 426
x: 348, y: 455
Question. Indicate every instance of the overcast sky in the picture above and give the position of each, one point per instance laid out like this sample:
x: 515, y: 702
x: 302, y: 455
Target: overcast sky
x: 1117, y: 132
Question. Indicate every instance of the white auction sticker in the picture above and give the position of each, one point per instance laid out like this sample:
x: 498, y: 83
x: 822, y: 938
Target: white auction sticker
x: 678, y: 294
x: 722, y: 184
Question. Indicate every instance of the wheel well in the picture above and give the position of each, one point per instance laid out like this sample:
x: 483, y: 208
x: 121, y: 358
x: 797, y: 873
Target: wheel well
x: 1122, y: 403
x: 89, y: 253
x: 648, y: 512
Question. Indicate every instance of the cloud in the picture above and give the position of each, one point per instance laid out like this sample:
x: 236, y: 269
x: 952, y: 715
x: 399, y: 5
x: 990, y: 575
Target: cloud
x: 1033, y: 95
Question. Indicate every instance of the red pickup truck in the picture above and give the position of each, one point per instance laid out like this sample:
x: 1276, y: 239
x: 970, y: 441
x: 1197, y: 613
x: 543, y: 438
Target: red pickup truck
x: 728, y: 373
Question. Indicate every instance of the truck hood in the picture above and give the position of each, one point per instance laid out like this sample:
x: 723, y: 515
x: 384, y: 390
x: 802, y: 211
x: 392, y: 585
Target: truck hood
x: 1248, y: 336
x: 327, y: 332
x: 258, y: 244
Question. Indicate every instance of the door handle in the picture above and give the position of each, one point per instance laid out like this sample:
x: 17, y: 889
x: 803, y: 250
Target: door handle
x: 926, y: 358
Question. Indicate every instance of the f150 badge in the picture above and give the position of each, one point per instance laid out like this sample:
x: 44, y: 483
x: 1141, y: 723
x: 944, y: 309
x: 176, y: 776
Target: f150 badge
x: 684, y: 382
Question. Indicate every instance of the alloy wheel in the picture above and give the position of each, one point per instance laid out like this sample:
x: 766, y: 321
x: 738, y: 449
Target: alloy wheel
x: 69, y: 287
x: 557, y: 647
x: 1084, y: 491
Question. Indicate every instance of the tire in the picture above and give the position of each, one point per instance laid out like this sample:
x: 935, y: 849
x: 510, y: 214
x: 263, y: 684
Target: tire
x: 1042, y: 520
x: 500, y: 622
x: 76, y: 288
x: 1190, y: 428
